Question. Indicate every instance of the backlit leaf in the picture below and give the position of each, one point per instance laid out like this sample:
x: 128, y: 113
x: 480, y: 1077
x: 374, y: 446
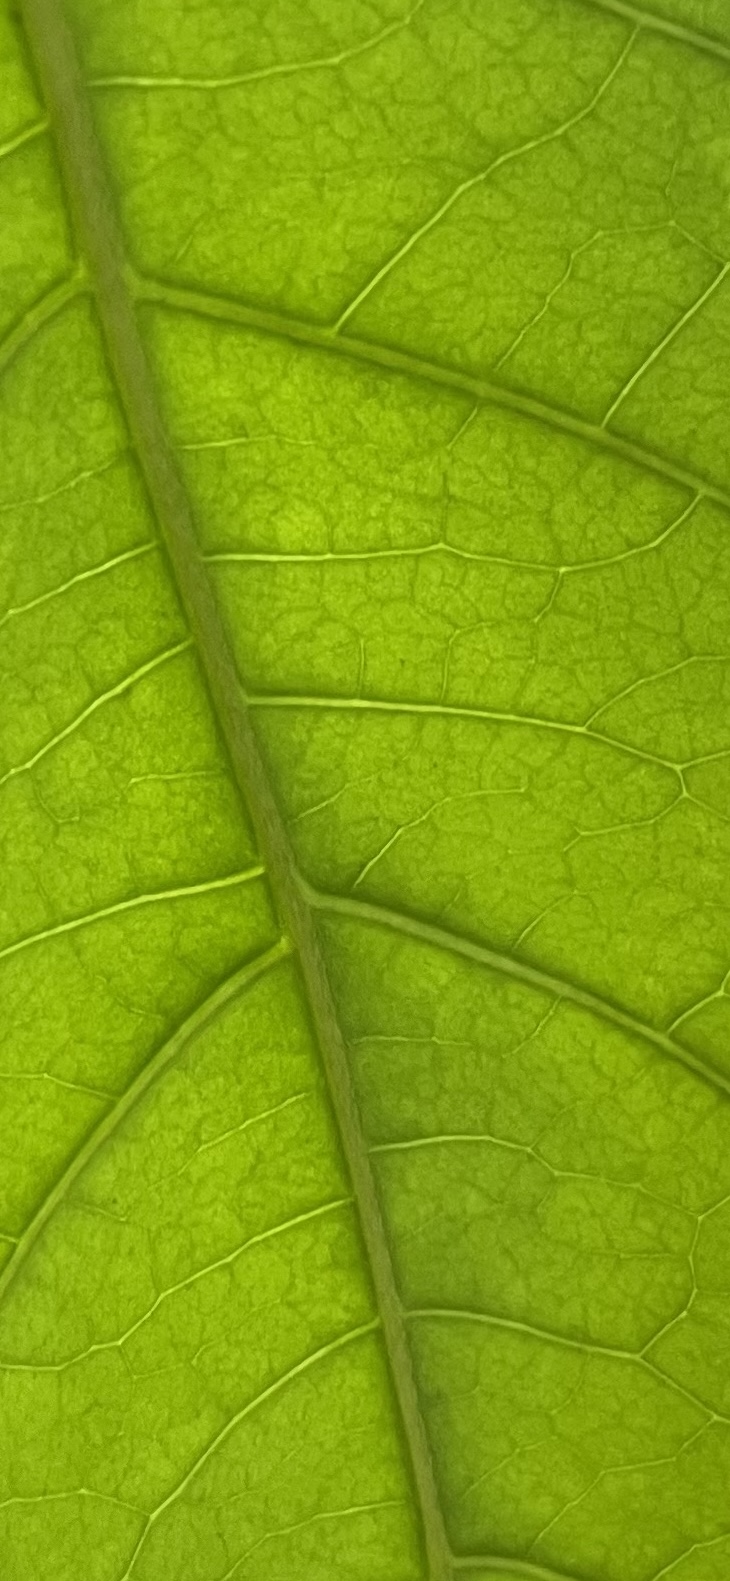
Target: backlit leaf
x: 365, y: 790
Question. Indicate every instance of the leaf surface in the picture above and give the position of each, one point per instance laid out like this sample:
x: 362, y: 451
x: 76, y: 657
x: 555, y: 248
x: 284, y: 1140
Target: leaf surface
x: 365, y: 1165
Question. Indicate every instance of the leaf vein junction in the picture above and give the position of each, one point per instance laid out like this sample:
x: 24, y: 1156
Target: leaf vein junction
x: 92, y: 708
x: 182, y: 1284
x: 40, y: 313
x: 280, y: 69
x: 453, y: 711
x: 97, y: 226
x: 511, y: 966
x: 150, y: 1073
x: 253, y: 1405
x: 660, y: 24
x: 205, y: 304
x: 26, y: 135
x: 481, y: 176
x: 586, y: 1347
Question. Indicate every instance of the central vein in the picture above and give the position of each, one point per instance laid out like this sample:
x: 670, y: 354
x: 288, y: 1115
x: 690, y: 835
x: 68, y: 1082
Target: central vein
x: 100, y: 240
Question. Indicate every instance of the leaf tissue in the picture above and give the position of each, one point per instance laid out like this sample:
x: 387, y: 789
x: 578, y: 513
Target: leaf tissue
x: 364, y: 790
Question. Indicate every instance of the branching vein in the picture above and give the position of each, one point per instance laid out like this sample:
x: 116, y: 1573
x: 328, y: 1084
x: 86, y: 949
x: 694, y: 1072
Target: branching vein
x: 650, y: 22
x: 559, y: 988
x: 74, y: 581
x: 453, y: 711
x: 102, y: 244
x: 227, y: 1261
x: 584, y: 1347
x: 263, y: 73
x: 42, y: 312
x: 111, y: 1122
x: 488, y: 392
x: 666, y: 341
x: 312, y: 1360
x: 27, y: 135
x: 92, y: 708
x: 118, y: 908
x: 481, y: 176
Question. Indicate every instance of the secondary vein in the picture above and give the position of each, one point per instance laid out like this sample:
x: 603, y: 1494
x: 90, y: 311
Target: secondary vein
x: 48, y: 307
x: 123, y: 686
x: 28, y: 134
x: 110, y: 1122
x: 512, y: 1568
x: 511, y: 966
x: 384, y: 705
x: 487, y: 392
x: 133, y: 903
x: 649, y: 21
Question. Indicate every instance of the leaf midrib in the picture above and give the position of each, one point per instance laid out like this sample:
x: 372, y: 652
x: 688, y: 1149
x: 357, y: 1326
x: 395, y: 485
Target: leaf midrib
x: 97, y: 230
x: 351, y: 348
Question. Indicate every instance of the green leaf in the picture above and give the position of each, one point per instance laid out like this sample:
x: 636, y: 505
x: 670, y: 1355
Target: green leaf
x: 365, y: 1164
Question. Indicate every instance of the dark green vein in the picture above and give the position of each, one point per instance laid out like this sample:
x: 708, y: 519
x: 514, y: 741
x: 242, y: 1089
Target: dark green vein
x: 102, y: 244
x: 486, y: 391
x: 112, y: 1120
x: 511, y: 966
x: 649, y: 21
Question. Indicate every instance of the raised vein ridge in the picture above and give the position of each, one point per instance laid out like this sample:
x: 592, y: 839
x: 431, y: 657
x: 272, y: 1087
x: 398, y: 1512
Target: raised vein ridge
x: 101, y: 243
x: 232, y: 310
x: 652, y: 23
x: 154, y: 897
x: 512, y: 966
x: 38, y: 315
x: 110, y: 1122
x: 495, y: 1565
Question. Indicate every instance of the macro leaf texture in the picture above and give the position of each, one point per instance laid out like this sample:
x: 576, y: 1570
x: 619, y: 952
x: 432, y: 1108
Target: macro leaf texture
x: 365, y: 790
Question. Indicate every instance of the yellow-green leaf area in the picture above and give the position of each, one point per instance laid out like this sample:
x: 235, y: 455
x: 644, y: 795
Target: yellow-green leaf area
x: 364, y: 796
